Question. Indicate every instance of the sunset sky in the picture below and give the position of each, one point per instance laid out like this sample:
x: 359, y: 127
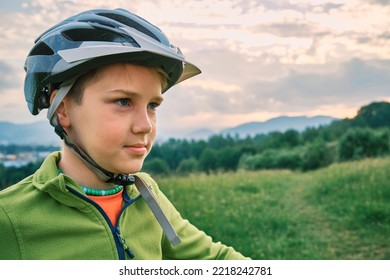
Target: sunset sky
x: 260, y: 59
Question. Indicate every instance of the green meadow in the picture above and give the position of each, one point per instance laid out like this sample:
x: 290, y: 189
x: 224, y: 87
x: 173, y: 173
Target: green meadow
x: 340, y: 212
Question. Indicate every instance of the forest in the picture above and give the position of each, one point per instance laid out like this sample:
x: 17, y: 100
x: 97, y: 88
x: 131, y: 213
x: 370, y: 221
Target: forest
x: 367, y: 135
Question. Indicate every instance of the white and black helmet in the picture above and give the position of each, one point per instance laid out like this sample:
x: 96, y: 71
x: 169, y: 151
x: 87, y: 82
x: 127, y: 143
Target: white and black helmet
x: 95, y: 38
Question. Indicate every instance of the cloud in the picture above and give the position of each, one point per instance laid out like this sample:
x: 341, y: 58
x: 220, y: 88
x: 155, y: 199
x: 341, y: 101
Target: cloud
x: 11, y: 6
x: 327, y: 7
x: 7, y: 77
x: 236, y: 86
x: 381, y: 2
x: 353, y: 82
x: 259, y: 59
x: 293, y: 29
x: 385, y: 35
x: 298, y: 89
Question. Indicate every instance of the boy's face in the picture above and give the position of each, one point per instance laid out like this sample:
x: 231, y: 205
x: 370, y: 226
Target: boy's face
x: 116, y: 120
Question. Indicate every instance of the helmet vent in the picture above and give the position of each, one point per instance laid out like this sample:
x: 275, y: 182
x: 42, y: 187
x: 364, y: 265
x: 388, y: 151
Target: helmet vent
x: 131, y: 23
x: 86, y: 34
x: 41, y: 49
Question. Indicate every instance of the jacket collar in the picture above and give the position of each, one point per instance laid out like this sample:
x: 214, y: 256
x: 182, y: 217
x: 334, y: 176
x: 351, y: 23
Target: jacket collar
x: 48, y: 179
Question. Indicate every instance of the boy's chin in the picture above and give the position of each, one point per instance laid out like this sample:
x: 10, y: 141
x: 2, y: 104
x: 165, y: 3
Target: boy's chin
x: 132, y: 170
x: 129, y: 168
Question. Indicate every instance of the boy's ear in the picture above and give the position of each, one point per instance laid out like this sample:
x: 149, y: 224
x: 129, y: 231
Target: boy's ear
x: 61, y: 113
x: 54, y: 93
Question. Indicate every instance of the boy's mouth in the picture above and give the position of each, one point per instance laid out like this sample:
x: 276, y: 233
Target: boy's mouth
x: 139, y: 148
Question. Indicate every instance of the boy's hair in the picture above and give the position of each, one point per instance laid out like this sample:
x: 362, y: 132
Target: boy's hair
x: 77, y: 90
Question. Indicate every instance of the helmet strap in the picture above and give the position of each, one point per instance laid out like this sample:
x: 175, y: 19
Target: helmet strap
x: 62, y: 92
x: 104, y: 175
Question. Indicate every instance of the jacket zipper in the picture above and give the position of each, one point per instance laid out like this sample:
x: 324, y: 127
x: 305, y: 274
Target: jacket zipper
x: 120, y: 241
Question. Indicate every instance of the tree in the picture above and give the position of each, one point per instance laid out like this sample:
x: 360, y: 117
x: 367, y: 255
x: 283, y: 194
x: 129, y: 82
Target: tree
x: 310, y: 134
x: 12, y: 175
x: 316, y: 155
x: 288, y: 159
x: 208, y: 160
x: 291, y: 138
x: 187, y: 166
x: 374, y: 115
x: 363, y: 142
x: 264, y: 160
x: 228, y: 158
x: 156, y: 166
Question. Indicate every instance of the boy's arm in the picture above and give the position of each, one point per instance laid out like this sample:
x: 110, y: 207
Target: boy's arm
x: 195, y: 244
x: 8, y: 241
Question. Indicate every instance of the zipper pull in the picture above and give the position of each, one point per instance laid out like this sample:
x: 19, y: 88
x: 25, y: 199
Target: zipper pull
x: 122, y: 240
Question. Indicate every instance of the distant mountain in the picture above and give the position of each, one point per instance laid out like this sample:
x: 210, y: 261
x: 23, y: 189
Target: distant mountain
x: 37, y: 133
x: 41, y: 133
x: 199, y: 134
x: 280, y: 124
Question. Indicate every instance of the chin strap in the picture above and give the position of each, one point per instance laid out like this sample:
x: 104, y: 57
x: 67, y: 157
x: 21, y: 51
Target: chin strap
x: 104, y: 175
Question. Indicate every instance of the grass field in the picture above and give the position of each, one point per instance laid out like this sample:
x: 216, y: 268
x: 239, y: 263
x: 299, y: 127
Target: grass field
x: 338, y: 213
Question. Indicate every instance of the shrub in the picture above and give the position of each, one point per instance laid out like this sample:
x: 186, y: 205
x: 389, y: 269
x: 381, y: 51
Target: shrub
x: 187, y: 166
x: 156, y: 166
x: 360, y: 143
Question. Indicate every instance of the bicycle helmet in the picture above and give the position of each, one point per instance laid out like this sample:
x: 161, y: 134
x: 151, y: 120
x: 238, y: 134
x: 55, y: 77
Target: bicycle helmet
x: 93, y: 39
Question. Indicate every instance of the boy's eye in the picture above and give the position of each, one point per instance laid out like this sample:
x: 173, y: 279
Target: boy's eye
x: 153, y: 105
x: 123, y: 102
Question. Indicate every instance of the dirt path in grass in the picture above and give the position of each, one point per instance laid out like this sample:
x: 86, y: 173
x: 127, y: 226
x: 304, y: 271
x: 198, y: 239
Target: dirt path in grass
x: 321, y: 233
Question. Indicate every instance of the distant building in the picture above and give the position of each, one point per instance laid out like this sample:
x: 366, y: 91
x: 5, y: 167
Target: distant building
x: 15, y: 163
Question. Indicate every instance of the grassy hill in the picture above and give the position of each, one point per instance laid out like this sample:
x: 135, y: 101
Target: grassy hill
x: 339, y: 212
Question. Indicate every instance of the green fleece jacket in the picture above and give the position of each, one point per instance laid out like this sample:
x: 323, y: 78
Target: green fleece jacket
x: 47, y: 216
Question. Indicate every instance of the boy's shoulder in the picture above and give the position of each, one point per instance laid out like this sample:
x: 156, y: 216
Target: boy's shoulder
x: 145, y: 176
x: 147, y: 179
x: 14, y: 193
x: 149, y: 182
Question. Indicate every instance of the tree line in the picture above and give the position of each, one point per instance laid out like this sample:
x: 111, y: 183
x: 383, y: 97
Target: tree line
x: 366, y: 135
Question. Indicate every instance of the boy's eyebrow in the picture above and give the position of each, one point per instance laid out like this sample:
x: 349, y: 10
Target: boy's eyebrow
x: 157, y: 98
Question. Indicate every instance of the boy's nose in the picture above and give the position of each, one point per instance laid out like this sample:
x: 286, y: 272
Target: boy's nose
x: 142, y: 123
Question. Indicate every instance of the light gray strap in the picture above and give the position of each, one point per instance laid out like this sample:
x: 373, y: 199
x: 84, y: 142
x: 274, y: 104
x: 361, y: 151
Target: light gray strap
x: 99, y: 171
x: 147, y: 194
x: 62, y: 92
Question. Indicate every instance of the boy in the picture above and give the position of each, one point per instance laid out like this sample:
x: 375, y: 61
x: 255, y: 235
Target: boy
x: 101, y: 74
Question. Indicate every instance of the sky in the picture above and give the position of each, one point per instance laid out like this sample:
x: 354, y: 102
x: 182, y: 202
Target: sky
x: 259, y: 59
